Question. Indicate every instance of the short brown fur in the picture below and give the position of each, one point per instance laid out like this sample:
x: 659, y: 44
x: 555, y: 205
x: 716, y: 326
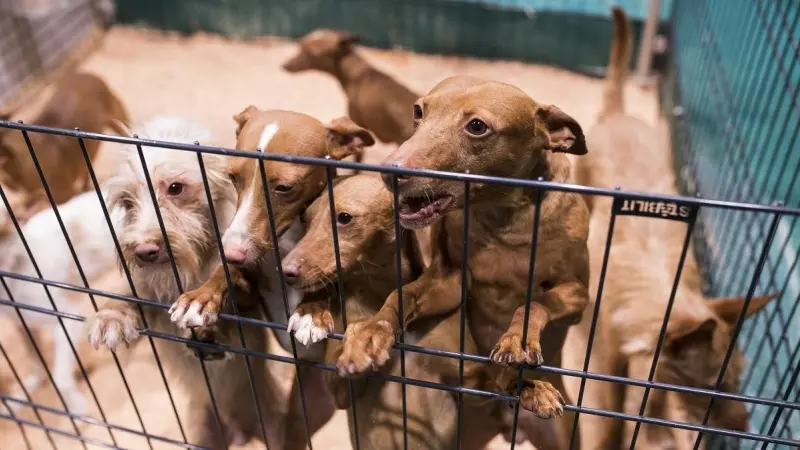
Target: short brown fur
x: 374, y: 100
x: 516, y: 137
x: 82, y: 101
x: 368, y: 266
x: 640, y: 273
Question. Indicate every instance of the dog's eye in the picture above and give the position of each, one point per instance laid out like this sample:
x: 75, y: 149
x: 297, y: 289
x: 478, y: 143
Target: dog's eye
x: 283, y: 188
x: 477, y: 127
x: 127, y: 203
x: 417, y: 112
x: 175, y: 189
x: 343, y: 218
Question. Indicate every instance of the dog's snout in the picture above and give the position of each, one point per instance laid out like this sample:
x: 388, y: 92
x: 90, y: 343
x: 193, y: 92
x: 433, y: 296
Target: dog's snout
x: 387, y: 177
x: 235, y: 255
x: 291, y: 272
x: 147, y: 252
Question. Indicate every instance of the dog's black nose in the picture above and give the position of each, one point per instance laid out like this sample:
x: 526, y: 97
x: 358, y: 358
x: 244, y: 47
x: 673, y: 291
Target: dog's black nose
x: 147, y: 252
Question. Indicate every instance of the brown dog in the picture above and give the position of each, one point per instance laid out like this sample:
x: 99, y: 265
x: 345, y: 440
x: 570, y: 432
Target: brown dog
x: 374, y: 100
x: 80, y: 100
x: 248, y: 243
x: 467, y: 124
x: 366, y: 236
x: 641, y: 270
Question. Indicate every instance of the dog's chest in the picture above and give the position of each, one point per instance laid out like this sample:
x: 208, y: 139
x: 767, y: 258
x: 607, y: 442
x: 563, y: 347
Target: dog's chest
x: 498, y: 266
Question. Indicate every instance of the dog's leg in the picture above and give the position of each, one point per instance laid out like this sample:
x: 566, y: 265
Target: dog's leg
x: 367, y: 343
x: 63, y: 368
x: 200, y: 307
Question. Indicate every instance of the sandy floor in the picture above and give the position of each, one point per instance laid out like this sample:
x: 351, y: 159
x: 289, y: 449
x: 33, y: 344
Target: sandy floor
x: 211, y: 79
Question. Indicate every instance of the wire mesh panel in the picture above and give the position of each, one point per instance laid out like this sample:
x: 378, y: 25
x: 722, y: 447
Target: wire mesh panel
x: 778, y: 405
x: 738, y: 78
x: 571, y: 34
x: 38, y: 39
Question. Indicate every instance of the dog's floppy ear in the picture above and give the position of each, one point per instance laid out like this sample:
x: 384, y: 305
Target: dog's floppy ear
x: 345, y: 138
x: 729, y: 308
x: 564, y: 132
x: 243, y: 117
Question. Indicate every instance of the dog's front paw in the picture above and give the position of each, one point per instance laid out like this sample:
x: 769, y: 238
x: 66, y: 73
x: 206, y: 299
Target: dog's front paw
x: 542, y: 399
x: 111, y: 327
x: 366, y: 347
x: 197, y: 308
x: 205, y: 335
x: 509, y: 350
x: 311, y: 322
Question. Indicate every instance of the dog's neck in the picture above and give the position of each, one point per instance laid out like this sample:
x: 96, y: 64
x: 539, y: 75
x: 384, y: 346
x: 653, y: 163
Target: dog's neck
x: 351, y: 68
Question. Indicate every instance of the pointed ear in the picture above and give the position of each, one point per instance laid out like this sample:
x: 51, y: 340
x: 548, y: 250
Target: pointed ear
x: 345, y: 138
x: 729, y: 308
x: 683, y: 329
x: 564, y: 132
x: 243, y: 117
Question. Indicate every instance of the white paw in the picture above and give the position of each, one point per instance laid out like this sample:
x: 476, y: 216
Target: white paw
x: 192, y: 316
x: 110, y: 327
x: 304, y: 329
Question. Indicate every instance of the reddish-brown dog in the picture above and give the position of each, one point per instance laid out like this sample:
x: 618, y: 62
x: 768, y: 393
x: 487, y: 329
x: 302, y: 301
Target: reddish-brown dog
x: 248, y: 244
x: 641, y: 270
x: 364, y: 215
x: 374, y: 100
x: 80, y: 100
x: 467, y: 124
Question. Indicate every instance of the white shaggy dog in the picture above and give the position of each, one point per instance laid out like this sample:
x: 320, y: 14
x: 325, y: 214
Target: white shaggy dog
x: 182, y: 202
x: 86, y: 226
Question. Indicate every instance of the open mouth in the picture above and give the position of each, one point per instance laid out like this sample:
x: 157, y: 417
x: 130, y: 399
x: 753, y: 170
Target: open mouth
x: 424, y: 209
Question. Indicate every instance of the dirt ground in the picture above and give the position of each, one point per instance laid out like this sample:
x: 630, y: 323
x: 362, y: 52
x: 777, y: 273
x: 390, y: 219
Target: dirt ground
x: 210, y: 79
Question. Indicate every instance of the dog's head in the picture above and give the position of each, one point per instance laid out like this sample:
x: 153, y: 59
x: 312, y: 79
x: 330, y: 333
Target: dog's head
x: 364, y: 225
x: 321, y: 50
x: 291, y: 187
x: 694, y: 349
x: 486, y: 128
x: 181, y: 198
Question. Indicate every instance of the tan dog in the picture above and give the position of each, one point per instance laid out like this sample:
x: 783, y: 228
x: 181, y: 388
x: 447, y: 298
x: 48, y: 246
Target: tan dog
x: 80, y: 100
x: 374, y: 100
x: 248, y: 243
x: 641, y: 270
x: 366, y: 237
x: 467, y: 124
x: 181, y: 197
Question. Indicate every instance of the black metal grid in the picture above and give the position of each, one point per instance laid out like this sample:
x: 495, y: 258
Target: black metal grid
x: 783, y: 405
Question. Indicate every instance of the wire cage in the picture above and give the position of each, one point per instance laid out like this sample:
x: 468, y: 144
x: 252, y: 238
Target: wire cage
x: 746, y: 238
x: 41, y: 40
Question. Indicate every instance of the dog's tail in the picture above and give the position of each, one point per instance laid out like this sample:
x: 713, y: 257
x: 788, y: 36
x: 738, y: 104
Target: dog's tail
x: 618, y: 62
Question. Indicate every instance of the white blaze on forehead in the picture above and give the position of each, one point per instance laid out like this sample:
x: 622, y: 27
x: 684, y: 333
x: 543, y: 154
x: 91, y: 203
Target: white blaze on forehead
x: 237, y: 233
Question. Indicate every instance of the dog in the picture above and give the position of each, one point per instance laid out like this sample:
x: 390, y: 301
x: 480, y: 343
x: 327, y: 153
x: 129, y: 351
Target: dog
x: 82, y: 217
x: 640, y: 273
x: 81, y: 100
x: 364, y: 214
x: 185, y: 211
x: 468, y: 124
x: 248, y: 241
x: 375, y: 100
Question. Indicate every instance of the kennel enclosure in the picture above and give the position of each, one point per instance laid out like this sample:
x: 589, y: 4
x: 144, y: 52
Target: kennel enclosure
x: 729, y: 90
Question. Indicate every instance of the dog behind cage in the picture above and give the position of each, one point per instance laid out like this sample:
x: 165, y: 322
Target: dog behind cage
x: 155, y: 233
